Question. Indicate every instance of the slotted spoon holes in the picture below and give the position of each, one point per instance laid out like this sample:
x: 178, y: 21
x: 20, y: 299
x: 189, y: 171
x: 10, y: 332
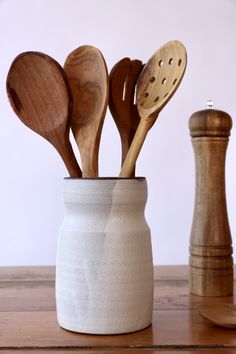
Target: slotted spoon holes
x: 163, y: 67
x: 167, y: 93
x: 163, y: 77
x: 171, y: 61
x: 167, y: 87
x: 159, y: 93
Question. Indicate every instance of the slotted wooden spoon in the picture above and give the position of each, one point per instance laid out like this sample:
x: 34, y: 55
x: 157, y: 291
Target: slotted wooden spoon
x: 156, y: 84
x: 87, y: 73
x: 39, y: 94
x: 221, y: 314
x: 123, y: 77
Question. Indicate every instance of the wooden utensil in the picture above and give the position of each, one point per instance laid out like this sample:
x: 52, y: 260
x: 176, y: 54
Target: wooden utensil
x: 87, y: 73
x: 156, y: 84
x: 221, y: 314
x: 123, y: 77
x: 39, y: 95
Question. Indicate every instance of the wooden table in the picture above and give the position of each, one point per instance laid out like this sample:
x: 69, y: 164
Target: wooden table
x: 28, y: 319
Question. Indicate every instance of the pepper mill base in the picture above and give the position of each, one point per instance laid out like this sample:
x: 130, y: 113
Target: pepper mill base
x: 211, y: 282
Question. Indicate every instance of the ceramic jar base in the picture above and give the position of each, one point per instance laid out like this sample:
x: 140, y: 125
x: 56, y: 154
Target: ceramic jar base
x: 104, y: 274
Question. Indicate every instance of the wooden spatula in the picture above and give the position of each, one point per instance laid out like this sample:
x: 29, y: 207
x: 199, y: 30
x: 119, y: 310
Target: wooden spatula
x: 39, y: 94
x: 156, y: 84
x: 87, y: 73
x: 123, y: 77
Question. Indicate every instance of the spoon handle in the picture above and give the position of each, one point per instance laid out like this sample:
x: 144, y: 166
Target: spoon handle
x: 137, y: 143
x: 126, y: 144
x: 68, y: 156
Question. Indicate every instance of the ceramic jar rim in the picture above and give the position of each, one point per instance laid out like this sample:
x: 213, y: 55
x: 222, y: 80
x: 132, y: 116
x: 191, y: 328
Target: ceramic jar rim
x: 106, y: 178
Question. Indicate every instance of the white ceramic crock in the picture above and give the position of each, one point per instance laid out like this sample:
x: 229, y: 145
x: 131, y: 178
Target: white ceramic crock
x: 104, y: 272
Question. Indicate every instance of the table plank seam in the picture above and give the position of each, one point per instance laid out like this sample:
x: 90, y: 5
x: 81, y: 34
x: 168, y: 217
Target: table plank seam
x: 125, y: 347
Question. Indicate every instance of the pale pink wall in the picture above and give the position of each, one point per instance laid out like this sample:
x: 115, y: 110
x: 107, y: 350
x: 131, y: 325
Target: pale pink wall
x: 31, y: 205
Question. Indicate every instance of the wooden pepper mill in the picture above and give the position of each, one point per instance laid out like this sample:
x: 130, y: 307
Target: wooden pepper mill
x: 211, y: 261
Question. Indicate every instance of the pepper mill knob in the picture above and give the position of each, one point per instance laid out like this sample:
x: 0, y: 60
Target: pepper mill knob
x: 210, y: 122
x: 211, y: 262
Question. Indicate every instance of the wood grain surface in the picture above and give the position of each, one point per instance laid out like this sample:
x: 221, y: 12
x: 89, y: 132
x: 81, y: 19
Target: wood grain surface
x: 87, y: 73
x: 118, y: 351
x: 211, y: 262
x: 40, y: 96
x: 157, y: 83
x: 28, y: 318
x: 123, y: 78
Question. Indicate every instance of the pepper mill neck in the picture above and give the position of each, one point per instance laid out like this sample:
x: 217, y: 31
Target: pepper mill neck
x: 210, y: 122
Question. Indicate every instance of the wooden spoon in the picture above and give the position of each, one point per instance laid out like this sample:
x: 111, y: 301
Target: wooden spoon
x: 39, y: 94
x: 123, y: 77
x: 87, y: 73
x: 221, y: 314
x: 156, y: 84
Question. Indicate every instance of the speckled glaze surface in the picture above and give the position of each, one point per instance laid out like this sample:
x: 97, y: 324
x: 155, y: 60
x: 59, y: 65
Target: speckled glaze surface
x: 104, y: 272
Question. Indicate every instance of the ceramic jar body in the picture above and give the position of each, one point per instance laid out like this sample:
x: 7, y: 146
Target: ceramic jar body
x: 104, y: 273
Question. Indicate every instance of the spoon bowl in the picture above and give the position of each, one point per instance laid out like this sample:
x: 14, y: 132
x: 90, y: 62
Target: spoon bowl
x: 156, y: 84
x: 222, y: 314
x: 39, y: 94
x: 87, y: 73
x: 160, y: 78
